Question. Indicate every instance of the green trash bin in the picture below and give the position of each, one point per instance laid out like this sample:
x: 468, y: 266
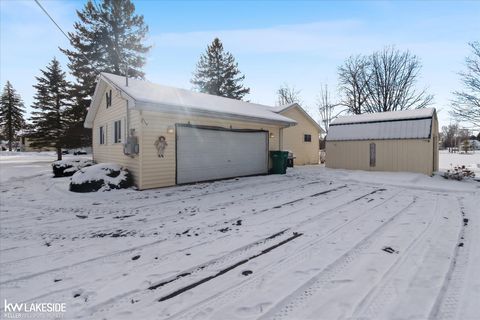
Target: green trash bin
x: 279, y: 162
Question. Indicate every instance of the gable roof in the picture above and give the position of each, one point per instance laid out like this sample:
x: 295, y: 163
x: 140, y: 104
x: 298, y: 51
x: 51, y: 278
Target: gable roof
x: 145, y: 95
x: 285, y: 108
x: 408, y: 124
x: 385, y: 116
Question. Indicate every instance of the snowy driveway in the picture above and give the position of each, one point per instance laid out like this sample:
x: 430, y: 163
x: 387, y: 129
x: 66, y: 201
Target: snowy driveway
x: 312, y: 244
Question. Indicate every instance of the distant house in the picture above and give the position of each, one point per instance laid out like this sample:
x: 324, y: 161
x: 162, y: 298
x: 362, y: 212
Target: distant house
x: 474, y: 144
x: 167, y: 136
x: 303, y: 139
x: 389, y: 141
x: 24, y: 144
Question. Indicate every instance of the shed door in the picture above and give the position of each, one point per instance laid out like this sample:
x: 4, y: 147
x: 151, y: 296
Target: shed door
x: 208, y: 154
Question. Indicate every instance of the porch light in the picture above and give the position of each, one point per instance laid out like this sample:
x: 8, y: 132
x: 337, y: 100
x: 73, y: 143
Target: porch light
x: 170, y: 129
x: 272, y: 135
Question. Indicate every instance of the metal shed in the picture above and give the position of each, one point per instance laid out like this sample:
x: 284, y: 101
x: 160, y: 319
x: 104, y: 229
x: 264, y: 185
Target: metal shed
x: 389, y: 141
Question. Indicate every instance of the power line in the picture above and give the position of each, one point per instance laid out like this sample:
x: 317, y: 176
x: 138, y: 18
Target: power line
x: 48, y: 15
x: 64, y: 33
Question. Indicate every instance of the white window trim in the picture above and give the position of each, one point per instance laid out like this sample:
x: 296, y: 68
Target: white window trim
x: 102, y: 135
x: 120, y: 133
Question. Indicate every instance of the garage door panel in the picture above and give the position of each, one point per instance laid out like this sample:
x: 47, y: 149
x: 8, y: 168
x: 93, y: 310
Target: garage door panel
x: 206, y: 154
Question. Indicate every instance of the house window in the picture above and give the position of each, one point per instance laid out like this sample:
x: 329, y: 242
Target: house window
x: 307, y: 138
x: 373, y: 155
x: 108, y: 98
x: 117, y: 135
x: 101, y: 135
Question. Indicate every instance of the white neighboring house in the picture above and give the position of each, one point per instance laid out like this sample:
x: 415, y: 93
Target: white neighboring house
x: 167, y: 136
x: 388, y: 141
x: 474, y: 144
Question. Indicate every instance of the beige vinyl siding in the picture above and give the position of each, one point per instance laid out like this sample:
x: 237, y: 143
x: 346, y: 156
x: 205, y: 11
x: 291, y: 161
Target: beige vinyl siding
x: 110, y: 151
x: 293, y: 138
x: 160, y: 172
x: 410, y: 155
x: 391, y: 155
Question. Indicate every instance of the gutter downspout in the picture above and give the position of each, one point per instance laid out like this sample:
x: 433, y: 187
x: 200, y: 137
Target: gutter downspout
x: 280, y: 139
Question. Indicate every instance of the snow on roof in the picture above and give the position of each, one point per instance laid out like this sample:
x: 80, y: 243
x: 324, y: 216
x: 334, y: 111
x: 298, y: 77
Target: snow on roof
x: 155, y: 97
x: 386, y: 116
x: 407, y: 129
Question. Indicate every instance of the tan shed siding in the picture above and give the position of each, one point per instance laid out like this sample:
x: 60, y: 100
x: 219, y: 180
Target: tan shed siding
x: 435, y: 138
x: 304, y: 152
x: 160, y: 172
x: 391, y: 155
x: 110, y: 151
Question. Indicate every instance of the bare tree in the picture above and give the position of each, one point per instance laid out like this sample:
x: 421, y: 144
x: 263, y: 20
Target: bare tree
x: 353, y: 79
x: 466, y: 106
x: 449, y: 134
x: 383, y: 81
x: 288, y: 95
x: 392, y: 79
x: 327, y: 108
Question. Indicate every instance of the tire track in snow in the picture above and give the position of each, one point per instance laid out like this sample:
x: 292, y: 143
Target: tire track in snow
x: 385, y: 292
x: 316, y: 284
x: 211, y: 227
x: 129, y: 250
x: 301, y: 254
x: 307, y: 222
x: 448, y: 301
x: 164, y: 219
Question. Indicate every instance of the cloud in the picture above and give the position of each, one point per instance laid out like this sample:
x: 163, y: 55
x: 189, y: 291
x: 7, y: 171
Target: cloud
x: 324, y: 37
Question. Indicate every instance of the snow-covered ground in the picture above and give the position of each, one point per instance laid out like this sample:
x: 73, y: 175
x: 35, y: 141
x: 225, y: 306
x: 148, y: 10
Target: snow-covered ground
x: 312, y: 244
x: 470, y: 160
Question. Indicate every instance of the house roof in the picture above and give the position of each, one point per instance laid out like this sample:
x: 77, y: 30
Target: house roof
x: 284, y: 108
x: 409, y: 124
x: 145, y: 95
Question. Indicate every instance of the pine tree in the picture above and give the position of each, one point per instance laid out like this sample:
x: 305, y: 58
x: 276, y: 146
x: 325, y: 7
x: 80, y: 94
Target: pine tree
x: 108, y: 37
x: 11, y: 113
x: 51, y: 105
x: 218, y: 74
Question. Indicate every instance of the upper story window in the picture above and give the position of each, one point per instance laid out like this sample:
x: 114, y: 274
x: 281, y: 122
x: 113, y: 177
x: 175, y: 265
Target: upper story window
x: 108, y: 98
x: 307, y: 138
x: 101, y: 135
x: 117, y: 129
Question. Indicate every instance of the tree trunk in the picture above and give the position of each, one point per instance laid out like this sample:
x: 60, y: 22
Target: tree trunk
x: 59, y: 153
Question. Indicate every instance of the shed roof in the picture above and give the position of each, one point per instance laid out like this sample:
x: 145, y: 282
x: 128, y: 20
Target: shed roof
x: 409, y: 124
x: 146, y: 95
x: 386, y: 116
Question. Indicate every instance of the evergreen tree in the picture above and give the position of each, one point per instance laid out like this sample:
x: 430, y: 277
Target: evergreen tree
x: 51, y: 105
x: 11, y: 113
x: 217, y: 73
x: 108, y: 37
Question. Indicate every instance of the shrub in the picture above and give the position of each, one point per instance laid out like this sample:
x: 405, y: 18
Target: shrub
x: 103, y: 176
x: 459, y: 173
x: 66, y: 168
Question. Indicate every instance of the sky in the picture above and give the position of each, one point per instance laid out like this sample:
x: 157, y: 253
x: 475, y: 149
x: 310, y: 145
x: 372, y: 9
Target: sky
x: 299, y: 43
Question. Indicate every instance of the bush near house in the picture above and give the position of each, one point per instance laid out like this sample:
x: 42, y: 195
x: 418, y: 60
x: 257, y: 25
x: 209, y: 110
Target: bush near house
x: 66, y: 168
x: 459, y: 173
x: 103, y: 176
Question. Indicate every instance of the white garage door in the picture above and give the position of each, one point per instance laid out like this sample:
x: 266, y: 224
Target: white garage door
x: 208, y: 154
